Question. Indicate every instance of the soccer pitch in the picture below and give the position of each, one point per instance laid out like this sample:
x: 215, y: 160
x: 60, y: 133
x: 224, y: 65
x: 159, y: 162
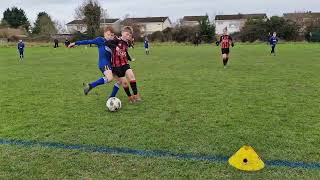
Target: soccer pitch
x: 191, y: 107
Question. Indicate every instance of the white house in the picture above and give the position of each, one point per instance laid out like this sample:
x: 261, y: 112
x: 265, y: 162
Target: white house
x: 149, y: 25
x: 235, y: 22
x: 80, y: 26
x: 192, y: 20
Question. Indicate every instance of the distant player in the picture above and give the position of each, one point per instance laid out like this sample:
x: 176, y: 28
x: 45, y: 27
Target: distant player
x: 21, y: 49
x: 273, y: 40
x: 146, y: 45
x: 105, y: 55
x: 67, y: 43
x: 225, y: 42
x: 121, y: 67
x: 56, y: 43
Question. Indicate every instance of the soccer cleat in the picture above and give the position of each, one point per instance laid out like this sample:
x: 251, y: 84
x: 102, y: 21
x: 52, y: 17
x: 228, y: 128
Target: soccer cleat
x: 131, y: 100
x: 137, y: 98
x: 86, y: 88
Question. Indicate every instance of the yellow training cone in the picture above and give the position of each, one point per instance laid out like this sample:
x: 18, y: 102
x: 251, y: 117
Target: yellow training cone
x: 246, y: 159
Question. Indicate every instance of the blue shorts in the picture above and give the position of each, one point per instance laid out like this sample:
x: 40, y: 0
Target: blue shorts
x: 105, y: 67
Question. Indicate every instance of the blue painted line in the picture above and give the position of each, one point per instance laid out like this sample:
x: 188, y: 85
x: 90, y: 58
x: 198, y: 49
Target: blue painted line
x: 150, y: 153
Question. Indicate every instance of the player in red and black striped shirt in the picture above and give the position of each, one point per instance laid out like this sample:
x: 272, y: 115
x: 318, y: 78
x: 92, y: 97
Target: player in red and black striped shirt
x: 120, y: 64
x: 225, y: 42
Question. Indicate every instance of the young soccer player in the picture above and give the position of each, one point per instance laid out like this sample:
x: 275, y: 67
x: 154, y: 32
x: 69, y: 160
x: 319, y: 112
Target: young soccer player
x: 105, y: 55
x: 146, y: 45
x: 225, y: 42
x: 121, y: 67
x: 21, y: 49
x: 273, y: 40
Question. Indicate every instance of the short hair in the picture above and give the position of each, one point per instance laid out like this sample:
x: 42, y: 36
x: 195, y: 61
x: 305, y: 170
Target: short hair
x: 108, y: 28
x: 127, y: 29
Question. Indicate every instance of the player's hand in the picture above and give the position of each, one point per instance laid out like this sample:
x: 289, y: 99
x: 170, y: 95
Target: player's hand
x: 217, y: 43
x: 72, y: 45
x: 232, y: 44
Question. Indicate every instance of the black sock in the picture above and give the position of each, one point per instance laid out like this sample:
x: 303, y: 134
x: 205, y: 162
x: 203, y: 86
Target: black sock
x: 224, y: 62
x: 134, y: 88
x: 127, y: 90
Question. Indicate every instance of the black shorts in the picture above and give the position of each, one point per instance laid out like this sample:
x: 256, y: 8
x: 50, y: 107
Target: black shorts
x: 121, y: 71
x: 225, y: 50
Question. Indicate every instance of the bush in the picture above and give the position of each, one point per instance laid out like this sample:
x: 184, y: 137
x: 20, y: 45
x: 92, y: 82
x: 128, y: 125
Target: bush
x: 315, y: 35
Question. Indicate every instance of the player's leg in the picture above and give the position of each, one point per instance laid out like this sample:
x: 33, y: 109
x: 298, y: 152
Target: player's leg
x: 133, y: 84
x: 120, y: 73
x: 116, y: 87
x: 224, y: 59
x: 108, y: 77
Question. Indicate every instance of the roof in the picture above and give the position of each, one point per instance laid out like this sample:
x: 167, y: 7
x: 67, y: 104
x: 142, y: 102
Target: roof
x: 145, y: 20
x: 306, y: 14
x: 193, y: 18
x: 108, y: 21
x: 240, y: 16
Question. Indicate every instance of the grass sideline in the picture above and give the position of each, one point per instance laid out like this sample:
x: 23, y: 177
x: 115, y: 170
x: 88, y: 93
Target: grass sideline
x: 191, y: 105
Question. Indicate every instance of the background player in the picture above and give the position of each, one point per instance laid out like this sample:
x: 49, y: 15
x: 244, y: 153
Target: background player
x: 225, y: 42
x: 273, y: 40
x: 146, y: 45
x: 21, y: 49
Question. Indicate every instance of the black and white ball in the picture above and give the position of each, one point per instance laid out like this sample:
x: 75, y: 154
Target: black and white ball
x: 113, y: 104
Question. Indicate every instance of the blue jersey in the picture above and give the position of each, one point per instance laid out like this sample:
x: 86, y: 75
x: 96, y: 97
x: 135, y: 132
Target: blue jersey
x: 273, y: 41
x: 146, y: 44
x: 21, y: 46
x: 105, y: 53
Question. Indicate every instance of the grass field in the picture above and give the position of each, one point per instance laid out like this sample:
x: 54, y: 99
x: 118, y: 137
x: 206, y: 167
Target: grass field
x: 190, y: 105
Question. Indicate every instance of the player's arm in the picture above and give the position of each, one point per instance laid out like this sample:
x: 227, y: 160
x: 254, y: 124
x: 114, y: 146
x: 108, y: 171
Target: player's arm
x: 231, y: 41
x: 112, y: 43
x: 129, y: 57
x: 96, y: 41
x: 219, y: 42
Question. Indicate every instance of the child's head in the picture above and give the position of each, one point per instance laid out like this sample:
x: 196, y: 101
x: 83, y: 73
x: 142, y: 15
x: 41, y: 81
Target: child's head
x: 108, y: 32
x: 225, y: 31
x: 274, y: 34
x: 126, y: 33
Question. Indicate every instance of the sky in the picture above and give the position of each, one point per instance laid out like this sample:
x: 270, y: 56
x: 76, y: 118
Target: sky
x: 63, y: 10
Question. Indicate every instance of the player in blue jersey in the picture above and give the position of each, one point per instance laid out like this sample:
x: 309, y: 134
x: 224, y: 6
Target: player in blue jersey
x: 21, y: 49
x: 105, y: 56
x: 146, y: 45
x: 273, y: 40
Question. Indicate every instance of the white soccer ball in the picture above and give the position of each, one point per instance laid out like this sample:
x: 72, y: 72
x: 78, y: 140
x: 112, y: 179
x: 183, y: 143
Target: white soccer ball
x: 113, y: 104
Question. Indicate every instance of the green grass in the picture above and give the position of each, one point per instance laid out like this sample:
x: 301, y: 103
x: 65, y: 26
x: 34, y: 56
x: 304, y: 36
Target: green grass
x: 190, y: 105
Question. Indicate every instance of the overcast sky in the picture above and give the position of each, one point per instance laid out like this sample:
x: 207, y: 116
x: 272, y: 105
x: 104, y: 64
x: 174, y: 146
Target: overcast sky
x: 63, y: 10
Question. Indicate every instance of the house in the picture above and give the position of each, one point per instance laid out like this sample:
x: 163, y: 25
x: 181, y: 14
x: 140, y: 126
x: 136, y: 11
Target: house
x: 304, y: 20
x: 235, y: 22
x: 192, y: 20
x: 149, y: 25
x: 80, y: 26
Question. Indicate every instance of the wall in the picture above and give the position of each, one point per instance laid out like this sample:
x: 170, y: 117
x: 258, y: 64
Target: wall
x: 232, y: 25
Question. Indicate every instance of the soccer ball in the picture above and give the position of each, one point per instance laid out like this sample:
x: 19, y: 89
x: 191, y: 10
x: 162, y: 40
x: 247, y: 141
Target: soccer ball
x: 113, y: 104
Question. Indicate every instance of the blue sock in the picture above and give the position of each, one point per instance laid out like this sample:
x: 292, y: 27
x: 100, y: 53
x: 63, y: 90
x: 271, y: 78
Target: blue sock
x: 99, y: 82
x: 115, y: 90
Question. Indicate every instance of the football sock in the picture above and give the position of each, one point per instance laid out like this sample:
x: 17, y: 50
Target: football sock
x: 224, y: 62
x: 115, y: 90
x: 134, y: 88
x: 127, y: 90
x: 99, y: 82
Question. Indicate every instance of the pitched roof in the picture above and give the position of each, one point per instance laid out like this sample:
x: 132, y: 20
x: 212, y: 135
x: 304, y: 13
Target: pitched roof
x: 306, y: 14
x: 240, y: 16
x: 193, y: 18
x: 109, y: 21
x: 145, y: 20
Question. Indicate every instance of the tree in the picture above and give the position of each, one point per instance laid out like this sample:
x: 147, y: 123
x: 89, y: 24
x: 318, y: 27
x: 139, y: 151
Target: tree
x: 15, y: 18
x: 207, y: 29
x: 44, y: 25
x: 90, y: 11
x: 254, y: 29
